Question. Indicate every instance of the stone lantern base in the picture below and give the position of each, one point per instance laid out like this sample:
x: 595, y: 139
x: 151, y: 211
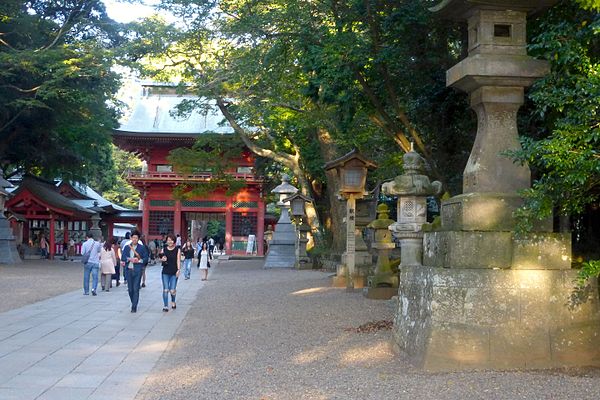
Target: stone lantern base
x: 473, y: 319
x: 8, y: 247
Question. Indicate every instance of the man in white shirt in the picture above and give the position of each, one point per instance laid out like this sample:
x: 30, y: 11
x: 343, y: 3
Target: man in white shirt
x: 90, y: 251
x: 178, y: 241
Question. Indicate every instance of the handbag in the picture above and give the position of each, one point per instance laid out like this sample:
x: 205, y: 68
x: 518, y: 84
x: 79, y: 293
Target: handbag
x: 86, y: 256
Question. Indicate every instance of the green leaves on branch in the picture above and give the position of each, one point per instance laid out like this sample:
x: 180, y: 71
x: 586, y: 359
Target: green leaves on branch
x: 564, y: 152
x: 57, y: 89
x: 589, y: 270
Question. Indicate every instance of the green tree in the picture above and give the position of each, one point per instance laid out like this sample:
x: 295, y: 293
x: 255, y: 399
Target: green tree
x: 314, y: 79
x: 564, y: 142
x: 57, y: 104
x: 117, y: 189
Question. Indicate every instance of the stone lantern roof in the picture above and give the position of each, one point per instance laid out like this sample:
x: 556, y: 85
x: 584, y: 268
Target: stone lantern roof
x: 458, y: 10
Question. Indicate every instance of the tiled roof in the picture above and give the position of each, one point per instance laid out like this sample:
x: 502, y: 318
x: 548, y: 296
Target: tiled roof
x: 47, y: 192
x: 152, y: 113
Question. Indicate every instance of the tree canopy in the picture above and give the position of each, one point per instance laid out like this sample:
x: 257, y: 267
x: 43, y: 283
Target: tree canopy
x: 57, y: 103
x: 563, y: 145
x: 303, y: 82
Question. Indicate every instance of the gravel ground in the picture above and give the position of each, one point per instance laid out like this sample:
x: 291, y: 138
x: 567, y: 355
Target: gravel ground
x: 36, y: 280
x: 284, y: 334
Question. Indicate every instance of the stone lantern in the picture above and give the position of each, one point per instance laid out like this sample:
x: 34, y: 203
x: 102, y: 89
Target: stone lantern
x: 486, y: 298
x: 352, y: 170
x: 383, y: 284
x: 8, y: 247
x: 412, y: 189
x: 298, y: 210
x: 282, y: 247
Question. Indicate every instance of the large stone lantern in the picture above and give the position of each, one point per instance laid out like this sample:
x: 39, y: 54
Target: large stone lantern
x: 352, y: 171
x: 485, y: 298
x: 298, y: 209
x: 282, y: 247
x: 8, y: 247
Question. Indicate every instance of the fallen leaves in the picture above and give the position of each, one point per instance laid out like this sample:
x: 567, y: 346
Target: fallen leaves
x: 371, y: 327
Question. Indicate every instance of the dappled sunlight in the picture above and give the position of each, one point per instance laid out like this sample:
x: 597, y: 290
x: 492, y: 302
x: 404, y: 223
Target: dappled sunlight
x: 310, y: 291
x: 378, y: 351
x: 310, y: 356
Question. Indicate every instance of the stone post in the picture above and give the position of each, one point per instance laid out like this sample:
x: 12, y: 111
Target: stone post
x: 383, y: 284
x: 302, y: 259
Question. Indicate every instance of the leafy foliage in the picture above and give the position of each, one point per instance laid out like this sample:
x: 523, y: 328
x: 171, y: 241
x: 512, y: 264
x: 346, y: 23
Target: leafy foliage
x: 315, y: 79
x: 564, y: 149
x: 57, y: 88
x: 588, y: 270
x: 116, y: 188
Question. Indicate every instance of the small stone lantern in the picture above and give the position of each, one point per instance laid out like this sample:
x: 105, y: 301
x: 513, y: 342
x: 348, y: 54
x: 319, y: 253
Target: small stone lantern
x: 298, y: 210
x: 412, y: 189
x: 352, y: 170
x: 383, y: 284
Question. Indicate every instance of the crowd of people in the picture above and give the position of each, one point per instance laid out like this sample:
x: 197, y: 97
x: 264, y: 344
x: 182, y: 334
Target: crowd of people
x: 129, y: 258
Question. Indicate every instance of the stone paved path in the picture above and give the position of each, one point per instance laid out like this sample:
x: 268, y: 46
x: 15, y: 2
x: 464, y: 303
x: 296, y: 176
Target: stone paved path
x: 88, y: 347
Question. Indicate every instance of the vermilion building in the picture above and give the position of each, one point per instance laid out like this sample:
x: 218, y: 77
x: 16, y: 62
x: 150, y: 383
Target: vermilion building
x: 151, y: 132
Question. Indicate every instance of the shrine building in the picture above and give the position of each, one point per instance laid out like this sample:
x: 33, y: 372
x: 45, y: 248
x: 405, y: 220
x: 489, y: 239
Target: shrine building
x: 151, y: 132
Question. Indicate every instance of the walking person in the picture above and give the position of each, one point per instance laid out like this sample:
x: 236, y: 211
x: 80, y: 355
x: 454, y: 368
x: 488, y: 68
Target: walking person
x: 143, y: 243
x: 132, y: 259
x: 211, y: 246
x: 108, y: 259
x: 124, y: 243
x: 198, y: 250
x: 204, y: 263
x: 117, y: 275
x: 44, y: 246
x: 90, y: 251
x: 188, y: 254
x: 171, y: 263
x: 71, y: 248
x: 152, y: 250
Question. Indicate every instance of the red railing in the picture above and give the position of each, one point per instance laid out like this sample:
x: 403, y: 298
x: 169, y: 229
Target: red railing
x: 172, y: 176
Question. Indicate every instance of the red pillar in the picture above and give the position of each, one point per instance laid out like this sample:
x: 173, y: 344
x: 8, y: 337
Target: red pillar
x: 260, y: 228
x: 146, y: 217
x: 110, y: 227
x: 52, y: 249
x: 177, y: 222
x: 65, y: 237
x: 228, y: 225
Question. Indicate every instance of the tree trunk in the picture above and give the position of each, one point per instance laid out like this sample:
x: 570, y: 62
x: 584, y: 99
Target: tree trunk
x: 334, y: 219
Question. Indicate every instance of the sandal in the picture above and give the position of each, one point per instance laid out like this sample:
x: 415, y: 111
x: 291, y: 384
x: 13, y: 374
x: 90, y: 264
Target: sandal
x: 165, y: 309
x: 174, y: 306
